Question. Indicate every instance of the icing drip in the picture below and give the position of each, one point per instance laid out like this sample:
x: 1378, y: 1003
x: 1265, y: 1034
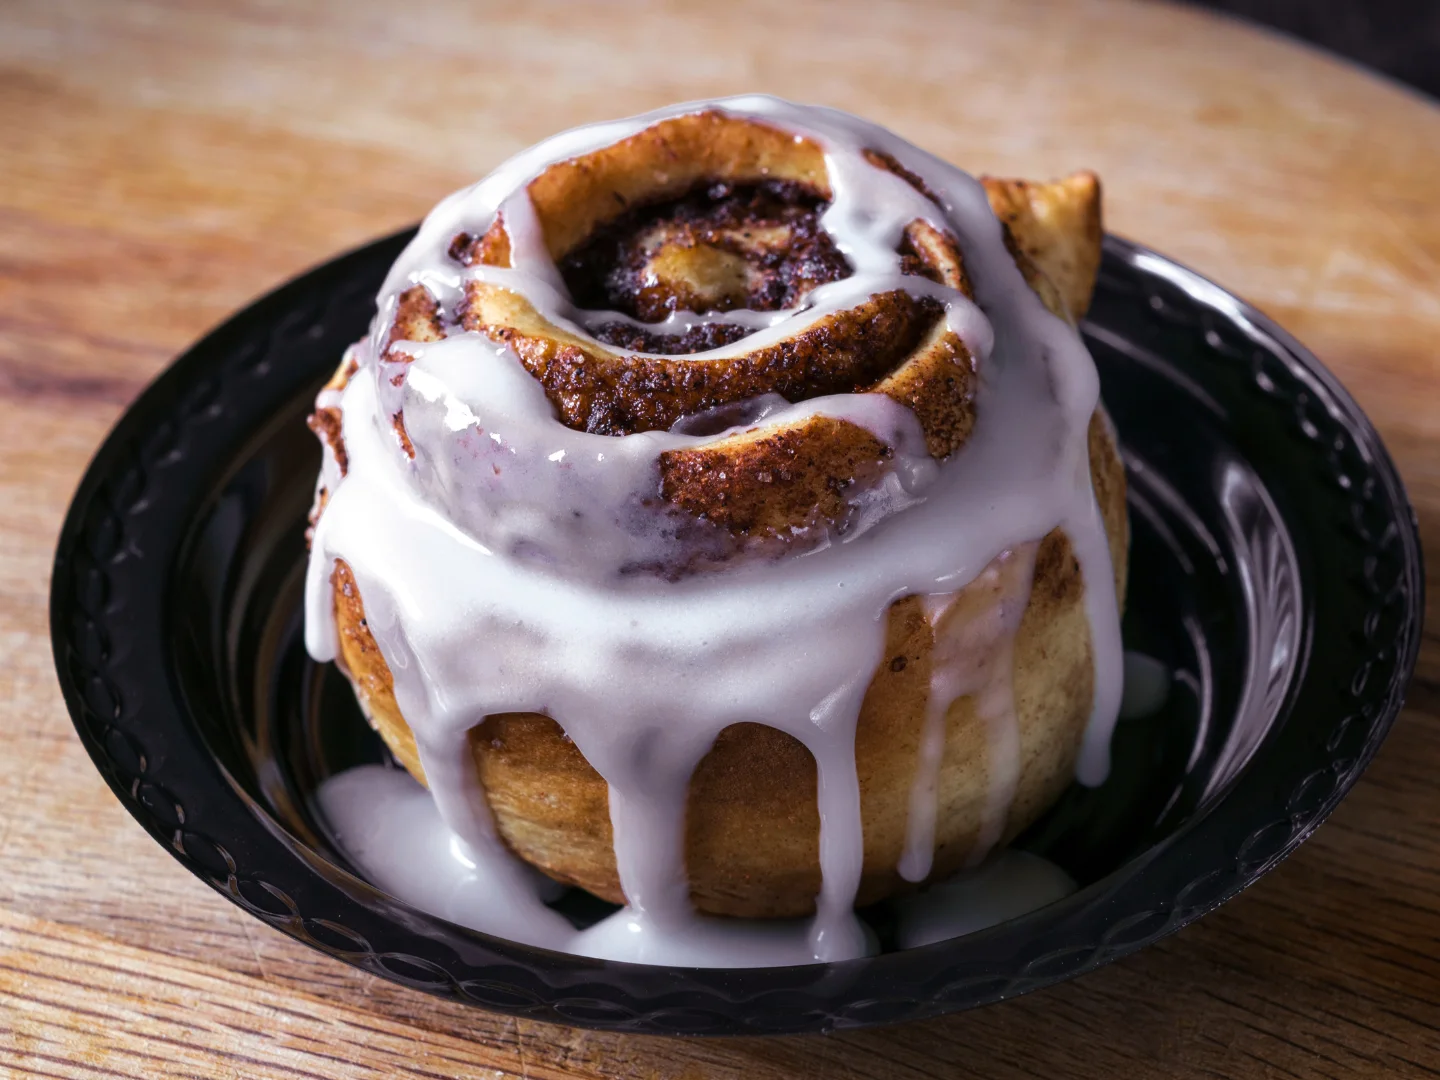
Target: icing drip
x: 497, y: 566
x: 974, y: 654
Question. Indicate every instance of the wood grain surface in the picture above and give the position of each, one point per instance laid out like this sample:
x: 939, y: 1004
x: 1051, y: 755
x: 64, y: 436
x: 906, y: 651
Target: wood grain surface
x: 161, y: 164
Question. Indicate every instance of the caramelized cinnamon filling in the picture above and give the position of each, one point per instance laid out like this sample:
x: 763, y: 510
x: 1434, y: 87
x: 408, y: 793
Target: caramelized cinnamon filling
x: 718, y: 248
x: 847, y: 353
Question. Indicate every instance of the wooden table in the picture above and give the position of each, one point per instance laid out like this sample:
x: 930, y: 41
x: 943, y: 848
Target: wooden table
x: 162, y: 164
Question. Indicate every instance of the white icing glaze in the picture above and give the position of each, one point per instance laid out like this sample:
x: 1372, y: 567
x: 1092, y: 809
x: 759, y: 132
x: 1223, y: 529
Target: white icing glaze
x: 494, y: 566
x: 1012, y: 884
x: 389, y: 826
x: 1147, y: 686
x: 391, y: 829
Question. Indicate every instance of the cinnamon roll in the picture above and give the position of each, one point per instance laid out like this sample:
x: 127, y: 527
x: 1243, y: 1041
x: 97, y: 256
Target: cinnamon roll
x: 720, y: 517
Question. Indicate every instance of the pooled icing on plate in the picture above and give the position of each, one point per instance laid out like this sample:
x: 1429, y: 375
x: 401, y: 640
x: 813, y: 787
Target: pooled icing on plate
x: 492, y: 566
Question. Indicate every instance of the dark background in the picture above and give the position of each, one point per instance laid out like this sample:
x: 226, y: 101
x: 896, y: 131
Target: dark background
x: 1398, y: 37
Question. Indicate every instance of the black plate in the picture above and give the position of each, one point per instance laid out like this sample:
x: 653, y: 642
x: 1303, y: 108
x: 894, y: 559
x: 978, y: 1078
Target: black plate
x: 1275, y: 568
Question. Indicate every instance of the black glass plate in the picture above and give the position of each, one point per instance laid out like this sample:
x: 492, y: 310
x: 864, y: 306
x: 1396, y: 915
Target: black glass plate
x: 1275, y: 570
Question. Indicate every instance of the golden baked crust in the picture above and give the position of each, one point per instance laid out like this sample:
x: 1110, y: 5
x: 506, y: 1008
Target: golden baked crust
x: 1057, y: 226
